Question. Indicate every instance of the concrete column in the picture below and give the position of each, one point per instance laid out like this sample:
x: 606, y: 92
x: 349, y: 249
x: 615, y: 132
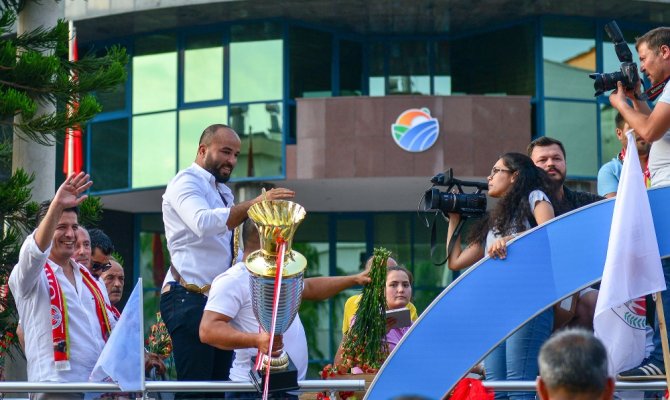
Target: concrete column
x: 32, y: 157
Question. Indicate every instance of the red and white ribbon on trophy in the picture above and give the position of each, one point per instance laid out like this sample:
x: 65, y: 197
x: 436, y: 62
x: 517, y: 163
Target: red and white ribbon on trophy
x: 281, y: 247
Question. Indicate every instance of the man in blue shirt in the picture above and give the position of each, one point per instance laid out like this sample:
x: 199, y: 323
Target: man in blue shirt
x: 608, y: 176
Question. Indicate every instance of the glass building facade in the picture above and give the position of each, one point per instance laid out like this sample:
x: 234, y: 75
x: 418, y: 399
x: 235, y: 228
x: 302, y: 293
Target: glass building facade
x: 249, y: 75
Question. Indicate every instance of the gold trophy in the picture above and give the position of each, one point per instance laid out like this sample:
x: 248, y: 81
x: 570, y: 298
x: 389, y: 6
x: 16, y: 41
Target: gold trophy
x: 277, y: 221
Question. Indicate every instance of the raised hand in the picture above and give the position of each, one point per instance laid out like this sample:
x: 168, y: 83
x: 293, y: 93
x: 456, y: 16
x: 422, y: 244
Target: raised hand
x: 69, y: 194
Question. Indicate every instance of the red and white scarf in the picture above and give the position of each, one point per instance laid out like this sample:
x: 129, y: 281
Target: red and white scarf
x: 59, y: 315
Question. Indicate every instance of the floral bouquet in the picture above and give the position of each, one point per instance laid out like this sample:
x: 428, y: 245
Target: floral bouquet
x: 159, y: 341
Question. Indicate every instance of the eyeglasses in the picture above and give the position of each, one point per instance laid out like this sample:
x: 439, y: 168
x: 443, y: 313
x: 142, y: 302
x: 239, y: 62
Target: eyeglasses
x: 96, y: 266
x: 495, y: 170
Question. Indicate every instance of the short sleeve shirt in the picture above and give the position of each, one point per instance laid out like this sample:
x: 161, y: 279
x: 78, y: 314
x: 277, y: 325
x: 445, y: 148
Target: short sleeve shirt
x: 608, y: 177
x: 659, y: 155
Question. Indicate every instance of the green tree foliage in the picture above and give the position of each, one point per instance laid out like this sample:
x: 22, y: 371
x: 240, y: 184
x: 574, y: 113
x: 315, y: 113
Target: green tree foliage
x: 34, y: 69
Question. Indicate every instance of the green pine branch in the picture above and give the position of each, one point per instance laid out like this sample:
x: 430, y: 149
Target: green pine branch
x: 34, y: 71
x: 365, y: 344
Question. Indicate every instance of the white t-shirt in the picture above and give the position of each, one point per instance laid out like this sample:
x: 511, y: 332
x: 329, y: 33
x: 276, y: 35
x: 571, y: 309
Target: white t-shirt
x: 534, y: 197
x: 28, y: 283
x: 659, y: 155
x: 230, y: 295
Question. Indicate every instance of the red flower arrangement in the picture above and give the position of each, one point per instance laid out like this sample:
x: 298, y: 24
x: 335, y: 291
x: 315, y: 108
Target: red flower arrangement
x: 159, y: 341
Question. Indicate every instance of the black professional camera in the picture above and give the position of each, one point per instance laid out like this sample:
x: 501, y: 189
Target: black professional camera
x: 628, y: 76
x: 466, y: 204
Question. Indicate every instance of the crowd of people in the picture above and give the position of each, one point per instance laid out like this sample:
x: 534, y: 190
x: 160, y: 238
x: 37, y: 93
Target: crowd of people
x: 67, y: 283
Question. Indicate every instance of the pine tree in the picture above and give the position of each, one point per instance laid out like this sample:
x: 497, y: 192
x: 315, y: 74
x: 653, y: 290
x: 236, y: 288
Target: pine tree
x: 34, y: 70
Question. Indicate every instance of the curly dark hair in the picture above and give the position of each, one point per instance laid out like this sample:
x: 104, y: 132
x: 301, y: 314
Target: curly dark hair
x: 513, y: 209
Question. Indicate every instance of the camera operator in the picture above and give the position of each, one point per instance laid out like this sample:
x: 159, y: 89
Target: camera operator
x: 523, y: 193
x: 654, y: 50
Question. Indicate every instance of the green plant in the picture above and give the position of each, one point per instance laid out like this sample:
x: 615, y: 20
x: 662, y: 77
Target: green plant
x: 365, y: 346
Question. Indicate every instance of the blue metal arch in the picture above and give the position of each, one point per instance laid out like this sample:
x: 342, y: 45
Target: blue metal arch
x: 495, y: 297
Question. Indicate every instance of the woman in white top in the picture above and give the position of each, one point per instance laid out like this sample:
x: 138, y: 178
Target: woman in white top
x: 521, y: 189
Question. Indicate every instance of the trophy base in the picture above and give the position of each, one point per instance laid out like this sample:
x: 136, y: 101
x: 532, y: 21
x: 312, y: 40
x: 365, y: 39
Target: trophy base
x: 280, y: 381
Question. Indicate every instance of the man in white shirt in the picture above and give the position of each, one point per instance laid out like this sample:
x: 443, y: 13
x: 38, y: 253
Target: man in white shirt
x: 654, y: 127
x: 229, y: 321
x: 199, y: 218
x: 64, y: 310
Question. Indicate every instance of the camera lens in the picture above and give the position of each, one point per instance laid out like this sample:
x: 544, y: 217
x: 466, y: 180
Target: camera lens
x: 606, y: 81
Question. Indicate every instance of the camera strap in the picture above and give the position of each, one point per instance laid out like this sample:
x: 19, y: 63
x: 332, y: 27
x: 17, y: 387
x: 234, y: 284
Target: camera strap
x: 653, y: 92
x: 452, y: 241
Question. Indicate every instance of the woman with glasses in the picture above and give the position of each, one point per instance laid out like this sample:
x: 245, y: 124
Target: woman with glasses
x: 523, y: 202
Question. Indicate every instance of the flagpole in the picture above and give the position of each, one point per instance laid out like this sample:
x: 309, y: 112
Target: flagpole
x: 660, y: 313
x: 69, y: 131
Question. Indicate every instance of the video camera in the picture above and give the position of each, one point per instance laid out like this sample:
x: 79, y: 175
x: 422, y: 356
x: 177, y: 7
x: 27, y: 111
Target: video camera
x: 628, y: 75
x: 466, y: 204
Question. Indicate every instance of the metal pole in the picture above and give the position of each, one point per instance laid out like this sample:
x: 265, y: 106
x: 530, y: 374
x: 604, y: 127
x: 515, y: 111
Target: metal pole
x: 529, y: 386
x: 173, y: 386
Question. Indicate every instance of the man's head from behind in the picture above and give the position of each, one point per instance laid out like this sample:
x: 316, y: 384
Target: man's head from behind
x: 549, y: 154
x: 573, y: 365
x: 101, y: 249
x: 250, y: 237
x: 114, y: 279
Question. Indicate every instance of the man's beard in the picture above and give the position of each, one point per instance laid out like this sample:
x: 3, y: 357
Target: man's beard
x: 220, y: 178
x: 557, y: 183
x: 215, y: 171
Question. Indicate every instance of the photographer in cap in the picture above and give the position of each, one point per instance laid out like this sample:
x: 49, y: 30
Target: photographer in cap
x: 654, y: 50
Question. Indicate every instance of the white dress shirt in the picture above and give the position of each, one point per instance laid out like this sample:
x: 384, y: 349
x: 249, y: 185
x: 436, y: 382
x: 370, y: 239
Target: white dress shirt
x: 659, y: 155
x: 28, y: 283
x: 195, y: 217
x: 230, y: 295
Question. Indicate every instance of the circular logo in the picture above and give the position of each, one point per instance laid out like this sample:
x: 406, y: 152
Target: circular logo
x: 633, y: 313
x: 56, y: 317
x: 415, y: 130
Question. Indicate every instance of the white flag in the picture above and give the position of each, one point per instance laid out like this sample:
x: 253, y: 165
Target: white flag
x: 122, y: 358
x: 632, y: 270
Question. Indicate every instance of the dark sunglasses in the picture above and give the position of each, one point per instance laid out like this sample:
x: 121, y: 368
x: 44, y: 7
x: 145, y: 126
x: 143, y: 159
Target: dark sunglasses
x: 101, y: 267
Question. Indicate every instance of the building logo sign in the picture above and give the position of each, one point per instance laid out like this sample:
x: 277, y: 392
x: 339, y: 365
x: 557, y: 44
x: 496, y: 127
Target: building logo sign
x: 415, y: 130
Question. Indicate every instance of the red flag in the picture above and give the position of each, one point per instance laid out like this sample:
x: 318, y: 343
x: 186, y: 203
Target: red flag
x: 72, y: 157
x: 471, y: 389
